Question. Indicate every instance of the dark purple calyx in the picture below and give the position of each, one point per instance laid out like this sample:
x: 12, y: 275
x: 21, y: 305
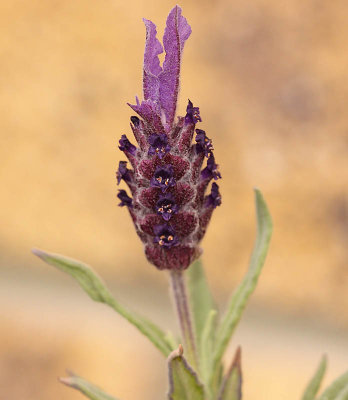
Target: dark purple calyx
x: 135, y: 120
x: 192, y: 114
x: 123, y: 172
x: 214, y: 198
x: 125, y: 199
x: 165, y: 236
x: 211, y: 170
x: 163, y: 177
x: 126, y: 145
x: 203, y: 143
x: 166, y: 206
x: 158, y: 145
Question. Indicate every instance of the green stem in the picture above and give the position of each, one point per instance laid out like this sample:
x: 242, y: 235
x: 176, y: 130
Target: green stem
x: 184, y: 316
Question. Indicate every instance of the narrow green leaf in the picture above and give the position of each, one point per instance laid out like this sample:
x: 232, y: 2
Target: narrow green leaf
x: 245, y: 289
x: 201, y: 299
x: 96, y: 289
x: 314, y: 384
x: 172, y: 340
x: 231, y: 388
x: 336, y: 389
x: 88, y: 389
x: 207, y: 342
x: 183, y: 380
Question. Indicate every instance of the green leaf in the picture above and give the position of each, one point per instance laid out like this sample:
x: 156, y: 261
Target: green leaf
x: 95, y: 288
x: 314, y: 384
x: 88, y: 389
x: 343, y: 395
x: 231, y: 388
x: 183, y: 380
x: 172, y: 340
x: 336, y: 389
x: 207, y: 342
x: 201, y: 299
x: 245, y: 289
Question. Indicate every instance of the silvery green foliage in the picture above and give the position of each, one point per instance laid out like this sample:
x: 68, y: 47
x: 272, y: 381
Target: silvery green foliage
x: 184, y: 383
x: 314, y: 384
x: 88, y: 389
x: 95, y: 288
x: 213, y: 334
x: 338, y: 390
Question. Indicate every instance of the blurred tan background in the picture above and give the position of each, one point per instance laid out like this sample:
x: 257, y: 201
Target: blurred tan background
x: 270, y: 78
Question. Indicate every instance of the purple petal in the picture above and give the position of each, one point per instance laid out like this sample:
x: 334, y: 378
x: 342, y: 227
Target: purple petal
x: 176, y: 33
x: 150, y: 112
x: 125, y: 199
x: 151, y: 62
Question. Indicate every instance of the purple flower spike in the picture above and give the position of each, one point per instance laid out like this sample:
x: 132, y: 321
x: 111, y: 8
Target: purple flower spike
x: 170, y: 208
x: 123, y: 172
x: 165, y: 236
x: 125, y: 199
x: 192, y: 114
x: 166, y: 206
x: 163, y: 178
x: 211, y: 170
x: 204, y: 144
x: 214, y: 199
x: 126, y: 145
x: 158, y: 145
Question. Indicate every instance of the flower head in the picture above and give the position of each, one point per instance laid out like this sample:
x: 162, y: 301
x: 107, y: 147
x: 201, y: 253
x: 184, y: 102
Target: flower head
x: 169, y: 208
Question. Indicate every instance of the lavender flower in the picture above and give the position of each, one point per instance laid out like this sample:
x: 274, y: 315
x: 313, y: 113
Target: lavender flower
x: 125, y: 199
x: 126, y: 145
x: 192, y: 114
x: 158, y: 145
x: 165, y: 236
x: 163, y: 177
x: 214, y: 198
x: 204, y: 144
x: 166, y: 206
x: 169, y: 207
x: 123, y: 172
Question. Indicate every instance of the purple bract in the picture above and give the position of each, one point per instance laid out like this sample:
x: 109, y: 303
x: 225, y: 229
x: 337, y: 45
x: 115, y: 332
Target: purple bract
x: 169, y: 205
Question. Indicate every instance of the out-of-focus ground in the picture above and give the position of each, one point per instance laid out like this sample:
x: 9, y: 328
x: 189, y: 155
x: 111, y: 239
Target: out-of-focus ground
x: 271, y: 81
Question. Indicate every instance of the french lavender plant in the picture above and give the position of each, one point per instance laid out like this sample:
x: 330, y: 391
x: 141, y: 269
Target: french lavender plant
x: 171, y: 205
x: 169, y: 208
